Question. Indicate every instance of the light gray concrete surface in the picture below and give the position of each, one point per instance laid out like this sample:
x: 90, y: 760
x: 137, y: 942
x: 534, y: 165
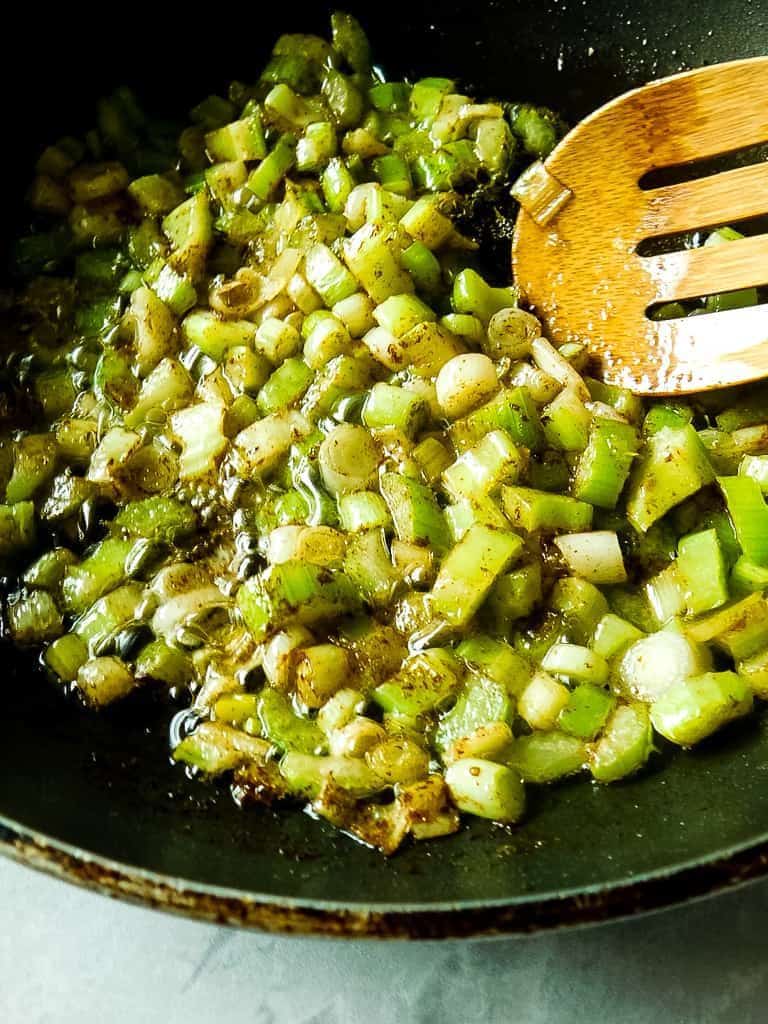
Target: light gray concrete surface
x: 72, y: 956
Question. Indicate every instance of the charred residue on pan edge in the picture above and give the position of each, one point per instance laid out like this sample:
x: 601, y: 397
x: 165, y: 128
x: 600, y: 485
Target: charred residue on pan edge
x: 526, y: 918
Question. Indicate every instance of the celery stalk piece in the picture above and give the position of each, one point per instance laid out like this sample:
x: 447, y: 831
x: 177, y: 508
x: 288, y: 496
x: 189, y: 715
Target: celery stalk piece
x: 495, y: 459
x: 496, y: 660
x: 625, y: 745
x: 673, y: 467
x: 100, y: 572
x: 513, y: 596
x: 98, y: 625
x: 740, y: 629
x: 482, y: 702
x: 100, y: 681
x: 486, y: 789
x: 566, y: 422
x: 605, y: 463
x: 168, y: 665
x: 694, y: 708
x: 294, y: 594
x: 532, y: 510
x: 305, y: 775
x: 369, y: 566
x: 470, y: 570
x: 668, y: 593
x: 580, y: 605
x: 328, y: 275
x: 749, y: 515
x: 267, y: 441
x: 425, y: 681
x: 214, y: 336
x: 265, y: 178
x: 286, y: 386
x: 215, y: 747
x: 414, y: 510
x: 157, y: 518
x: 282, y: 726
x: 363, y: 510
x: 471, y: 294
x: 34, y: 618
x: 586, y: 712
x: 371, y: 256
x: 399, y: 313
x: 189, y: 228
x: 65, y: 656
x: 613, y: 635
x: 545, y: 757
x: 512, y: 410
x: 390, y: 406
x: 746, y: 576
x: 701, y: 565
x: 595, y: 556
x: 755, y: 671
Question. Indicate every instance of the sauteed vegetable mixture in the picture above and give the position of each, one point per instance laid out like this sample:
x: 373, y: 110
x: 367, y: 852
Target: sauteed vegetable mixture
x: 280, y: 440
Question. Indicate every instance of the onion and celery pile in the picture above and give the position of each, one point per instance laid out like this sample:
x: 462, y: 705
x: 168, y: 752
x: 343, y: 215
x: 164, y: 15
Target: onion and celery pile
x: 274, y: 444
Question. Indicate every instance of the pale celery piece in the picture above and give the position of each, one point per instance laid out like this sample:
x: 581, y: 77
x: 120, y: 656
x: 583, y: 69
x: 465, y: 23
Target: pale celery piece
x: 284, y: 455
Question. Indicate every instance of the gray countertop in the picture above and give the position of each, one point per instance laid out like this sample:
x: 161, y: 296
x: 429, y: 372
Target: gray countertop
x: 71, y: 956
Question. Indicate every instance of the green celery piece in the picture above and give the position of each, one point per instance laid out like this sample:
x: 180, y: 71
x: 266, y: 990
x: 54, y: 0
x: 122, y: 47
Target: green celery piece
x: 48, y: 571
x: 190, y: 230
x: 480, y: 469
x: 586, y: 712
x: 215, y: 747
x: 368, y: 565
x: 424, y: 267
x: 531, y: 510
x: 239, y: 140
x: 17, y: 528
x: 625, y: 745
x: 482, y: 701
x: 294, y: 594
x: 513, y: 596
x: 391, y: 406
x: 65, y: 656
x: 34, y: 464
x: 168, y: 665
x: 305, y: 774
x: 755, y: 671
x: 538, y: 128
x: 213, y: 336
x: 157, y: 518
x: 547, y: 756
x: 101, y: 571
x: 604, y: 465
x: 738, y: 297
x: 692, y: 709
x: 33, y: 618
x: 660, y: 416
x: 746, y: 576
x: 749, y: 515
x: 107, y: 615
x: 426, y: 97
x: 414, y: 510
x: 265, y: 178
x: 613, y: 635
x: 350, y: 40
x: 756, y: 467
x: 425, y: 682
x: 470, y: 570
x: 496, y: 660
x: 283, y: 727
x: 580, y: 605
x: 286, y: 386
x: 740, y: 629
x: 674, y: 466
x: 512, y: 410
x: 702, y: 568
x: 623, y: 401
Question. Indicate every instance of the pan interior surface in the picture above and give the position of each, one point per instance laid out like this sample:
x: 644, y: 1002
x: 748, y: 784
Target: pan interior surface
x: 103, y: 783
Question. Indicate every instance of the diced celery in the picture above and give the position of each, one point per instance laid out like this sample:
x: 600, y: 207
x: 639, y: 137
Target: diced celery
x: 575, y: 662
x: 532, y: 510
x: 694, y: 708
x: 673, y: 467
x: 486, y: 789
x: 426, y: 681
x: 604, y: 465
x: 625, y: 745
x: 613, y: 635
x: 481, y: 702
x: 470, y: 570
x: 495, y: 459
x: 701, y: 565
x: 414, y: 510
x: 293, y: 593
x: 749, y: 515
x: 547, y: 756
x: 586, y: 712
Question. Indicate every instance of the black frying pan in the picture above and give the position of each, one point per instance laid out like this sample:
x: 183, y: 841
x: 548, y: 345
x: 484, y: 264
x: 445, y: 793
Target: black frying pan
x: 94, y: 797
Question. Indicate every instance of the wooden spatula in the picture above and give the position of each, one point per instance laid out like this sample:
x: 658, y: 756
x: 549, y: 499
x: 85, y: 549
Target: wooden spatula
x: 583, y: 215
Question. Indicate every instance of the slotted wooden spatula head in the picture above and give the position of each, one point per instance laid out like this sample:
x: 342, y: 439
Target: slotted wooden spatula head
x: 584, y: 214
